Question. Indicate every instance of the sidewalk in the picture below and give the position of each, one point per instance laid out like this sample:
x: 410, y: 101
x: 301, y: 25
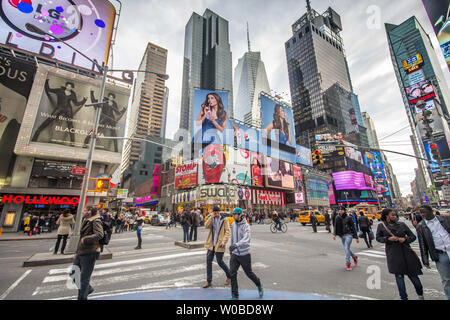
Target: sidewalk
x: 18, y: 236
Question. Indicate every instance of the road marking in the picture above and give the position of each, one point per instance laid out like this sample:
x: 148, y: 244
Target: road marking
x: 372, y: 255
x: 14, y: 285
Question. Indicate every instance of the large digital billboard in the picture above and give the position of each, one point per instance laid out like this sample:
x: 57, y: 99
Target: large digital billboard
x: 374, y: 161
x: 351, y: 180
x: 280, y: 174
x: 303, y: 156
x: 439, y: 14
x: 64, y: 118
x: 16, y: 80
x: 210, y: 121
x: 83, y: 24
x: 244, y: 137
x: 420, y: 91
x: 256, y: 169
x: 277, y: 122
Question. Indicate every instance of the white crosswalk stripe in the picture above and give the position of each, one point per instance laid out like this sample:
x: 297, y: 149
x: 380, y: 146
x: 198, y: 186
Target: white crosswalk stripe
x: 166, y: 270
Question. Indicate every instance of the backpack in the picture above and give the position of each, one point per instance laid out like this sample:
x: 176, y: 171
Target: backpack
x: 107, y: 231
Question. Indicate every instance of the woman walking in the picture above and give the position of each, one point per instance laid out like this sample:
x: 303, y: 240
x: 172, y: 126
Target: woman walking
x: 88, y: 250
x: 401, y: 259
x: 65, y: 221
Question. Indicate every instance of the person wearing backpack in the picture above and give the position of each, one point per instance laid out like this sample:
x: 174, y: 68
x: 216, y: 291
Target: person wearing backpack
x: 364, y: 224
x: 139, y: 226
x: 88, y: 250
x: 106, y: 220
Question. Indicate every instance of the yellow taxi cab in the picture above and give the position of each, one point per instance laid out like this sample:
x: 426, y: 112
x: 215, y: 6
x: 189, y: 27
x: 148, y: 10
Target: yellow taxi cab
x: 228, y: 215
x: 370, y: 216
x: 378, y: 215
x: 304, y: 217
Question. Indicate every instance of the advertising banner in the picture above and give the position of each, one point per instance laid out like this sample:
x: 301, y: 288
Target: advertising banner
x: 303, y: 156
x: 413, y: 63
x: 374, y: 161
x: 352, y: 180
x: 280, y: 174
x: 416, y: 77
x: 353, y: 153
x: 83, y: 24
x: 256, y: 169
x: 298, y: 179
x: 122, y: 193
x: 186, y: 175
x: 420, y: 91
x: 64, y: 119
x: 268, y: 197
x: 317, y: 189
x: 210, y: 120
x: 329, y: 137
x: 439, y: 15
x: 245, y: 137
x: 16, y: 80
x: 299, y: 198
x: 277, y: 122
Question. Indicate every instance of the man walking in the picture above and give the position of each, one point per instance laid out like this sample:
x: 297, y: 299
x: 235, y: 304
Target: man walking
x: 313, y: 219
x: 240, y: 253
x: 139, y: 227
x: 327, y: 221
x: 364, y: 223
x: 219, y: 234
x: 434, y: 240
x: 195, y: 222
x: 345, y: 228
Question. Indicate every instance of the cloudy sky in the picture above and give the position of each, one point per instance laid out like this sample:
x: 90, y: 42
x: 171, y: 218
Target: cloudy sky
x: 371, y: 70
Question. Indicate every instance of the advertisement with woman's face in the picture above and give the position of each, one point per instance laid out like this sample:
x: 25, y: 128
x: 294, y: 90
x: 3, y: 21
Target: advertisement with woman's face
x: 256, y: 169
x: 210, y: 119
x: 280, y: 174
x: 277, y: 122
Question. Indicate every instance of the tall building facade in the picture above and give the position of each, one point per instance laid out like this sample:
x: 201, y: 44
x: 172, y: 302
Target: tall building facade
x: 207, y: 62
x: 148, y: 112
x: 320, y: 84
x: 250, y: 79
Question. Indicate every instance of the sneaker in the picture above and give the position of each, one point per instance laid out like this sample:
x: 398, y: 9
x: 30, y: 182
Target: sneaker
x: 206, y: 285
x: 421, y: 298
x: 348, y: 267
x: 228, y: 282
x: 260, y: 291
x: 355, y: 260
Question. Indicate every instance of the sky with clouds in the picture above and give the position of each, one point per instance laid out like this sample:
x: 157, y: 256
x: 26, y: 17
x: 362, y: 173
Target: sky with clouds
x: 365, y: 41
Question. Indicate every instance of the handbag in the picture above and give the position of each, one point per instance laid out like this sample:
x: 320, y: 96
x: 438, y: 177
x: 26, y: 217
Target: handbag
x: 361, y: 235
x: 371, y: 235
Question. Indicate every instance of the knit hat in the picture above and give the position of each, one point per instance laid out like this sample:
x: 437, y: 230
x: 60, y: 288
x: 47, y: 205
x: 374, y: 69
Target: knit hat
x: 216, y: 208
x: 238, y: 211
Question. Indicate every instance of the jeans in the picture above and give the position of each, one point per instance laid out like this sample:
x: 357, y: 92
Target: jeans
x: 139, y: 236
x: 246, y: 263
x: 185, y: 233
x: 443, y: 266
x: 219, y: 258
x: 400, y: 279
x: 278, y: 223
x: 347, y: 242
x: 193, y: 232
x: 64, y: 238
x: 85, y: 263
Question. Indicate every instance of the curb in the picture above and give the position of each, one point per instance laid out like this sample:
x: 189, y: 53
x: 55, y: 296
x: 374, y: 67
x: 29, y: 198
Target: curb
x: 190, y: 245
x: 46, y: 259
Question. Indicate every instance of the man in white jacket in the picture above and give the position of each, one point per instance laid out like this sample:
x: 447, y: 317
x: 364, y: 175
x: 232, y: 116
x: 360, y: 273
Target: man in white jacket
x: 240, y: 253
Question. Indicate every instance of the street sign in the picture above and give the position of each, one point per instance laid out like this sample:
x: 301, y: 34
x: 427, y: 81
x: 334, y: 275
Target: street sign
x: 122, y: 193
x: 79, y: 170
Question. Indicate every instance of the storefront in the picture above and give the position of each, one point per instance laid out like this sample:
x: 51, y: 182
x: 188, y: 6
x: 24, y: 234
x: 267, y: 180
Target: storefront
x: 148, y: 202
x: 184, y: 199
x: 225, y: 196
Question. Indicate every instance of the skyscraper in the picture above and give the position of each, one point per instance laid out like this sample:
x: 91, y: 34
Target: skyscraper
x: 320, y: 84
x: 250, y: 79
x: 207, y: 61
x: 148, y: 111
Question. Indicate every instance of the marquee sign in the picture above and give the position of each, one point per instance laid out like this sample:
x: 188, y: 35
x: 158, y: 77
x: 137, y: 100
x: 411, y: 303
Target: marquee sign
x: 45, y: 200
x: 268, y: 197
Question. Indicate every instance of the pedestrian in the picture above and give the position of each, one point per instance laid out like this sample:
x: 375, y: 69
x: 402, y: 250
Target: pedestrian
x: 401, y: 259
x: 33, y: 225
x: 173, y: 219
x: 313, y: 220
x: 333, y: 217
x: 218, y: 236
x: 240, y: 253
x: 105, y: 218
x: 364, y: 224
x: 88, y: 250
x: 65, y: 221
x: 189, y: 217
x: 327, y: 221
x: 250, y: 218
x: 184, y: 221
x: 118, y: 223
x: 41, y: 224
x: 345, y: 229
x: 434, y: 240
x: 139, y: 227
x: 355, y: 221
x: 167, y: 216
x: 416, y: 218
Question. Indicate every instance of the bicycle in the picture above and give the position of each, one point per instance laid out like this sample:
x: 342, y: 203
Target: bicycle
x: 274, y: 227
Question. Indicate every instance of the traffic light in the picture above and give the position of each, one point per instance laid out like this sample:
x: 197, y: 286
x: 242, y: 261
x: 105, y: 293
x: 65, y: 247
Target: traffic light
x: 435, y: 152
x: 317, y: 157
x: 102, y: 184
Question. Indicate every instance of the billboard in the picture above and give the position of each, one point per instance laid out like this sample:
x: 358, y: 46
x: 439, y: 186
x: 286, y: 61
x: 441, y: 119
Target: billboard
x: 374, y: 161
x: 298, y: 179
x: 303, y: 156
x: 420, y: 91
x: 83, y: 24
x: 244, y: 137
x: 223, y: 164
x: 439, y: 14
x: 329, y: 137
x: 279, y: 174
x: 186, y: 175
x: 210, y: 121
x: 256, y: 169
x: 353, y: 153
x: 412, y: 64
x: 64, y: 119
x: 16, y: 80
x: 352, y: 180
x: 444, y: 151
x: 277, y: 122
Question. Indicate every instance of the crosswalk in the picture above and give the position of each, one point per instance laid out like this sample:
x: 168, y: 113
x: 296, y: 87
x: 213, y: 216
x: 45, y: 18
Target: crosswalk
x: 167, y: 270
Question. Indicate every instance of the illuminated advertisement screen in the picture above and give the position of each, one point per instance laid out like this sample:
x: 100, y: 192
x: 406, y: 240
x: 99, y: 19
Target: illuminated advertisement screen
x: 277, y: 122
x: 351, y: 180
x: 298, y: 179
x: 303, y: 156
x: 83, y: 24
x: 244, y: 137
x: 444, y: 151
x: 329, y: 137
x: 375, y: 163
x: 186, y: 175
x: 420, y: 91
x: 64, y: 118
x: 256, y: 169
x: 317, y: 188
x: 439, y: 15
x: 413, y: 62
x: 280, y: 174
x: 210, y: 121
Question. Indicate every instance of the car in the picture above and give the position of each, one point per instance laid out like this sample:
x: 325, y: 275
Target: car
x: 159, y: 220
x: 304, y: 217
x: 228, y: 215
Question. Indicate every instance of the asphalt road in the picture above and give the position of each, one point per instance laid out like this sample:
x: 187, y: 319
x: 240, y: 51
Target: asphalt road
x: 299, y: 261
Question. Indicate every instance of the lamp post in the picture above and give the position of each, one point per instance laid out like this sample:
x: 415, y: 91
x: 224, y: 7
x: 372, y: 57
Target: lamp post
x: 75, y: 236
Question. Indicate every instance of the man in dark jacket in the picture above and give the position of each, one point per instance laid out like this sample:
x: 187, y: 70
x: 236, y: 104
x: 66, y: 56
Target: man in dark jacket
x: 195, y: 223
x: 434, y: 241
x: 345, y: 229
x: 313, y: 219
x: 364, y: 224
x: 327, y: 221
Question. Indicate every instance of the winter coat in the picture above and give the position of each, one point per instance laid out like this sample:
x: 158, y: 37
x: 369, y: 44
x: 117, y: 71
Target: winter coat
x: 327, y: 218
x: 426, y: 241
x: 240, y: 236
x: 195, y: 219
x: 188, y: 219
x: 364, y: 223
x: 224, y: 234
x: 64, y: 224
x: 91, y: 232
x: 344, y: 226
x: 401, y: 259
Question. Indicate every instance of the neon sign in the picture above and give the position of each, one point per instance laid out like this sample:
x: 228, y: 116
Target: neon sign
x: 41, y: 200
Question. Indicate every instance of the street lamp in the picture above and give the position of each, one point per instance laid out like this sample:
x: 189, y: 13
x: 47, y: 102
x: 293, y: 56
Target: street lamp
x: 75, y: 237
